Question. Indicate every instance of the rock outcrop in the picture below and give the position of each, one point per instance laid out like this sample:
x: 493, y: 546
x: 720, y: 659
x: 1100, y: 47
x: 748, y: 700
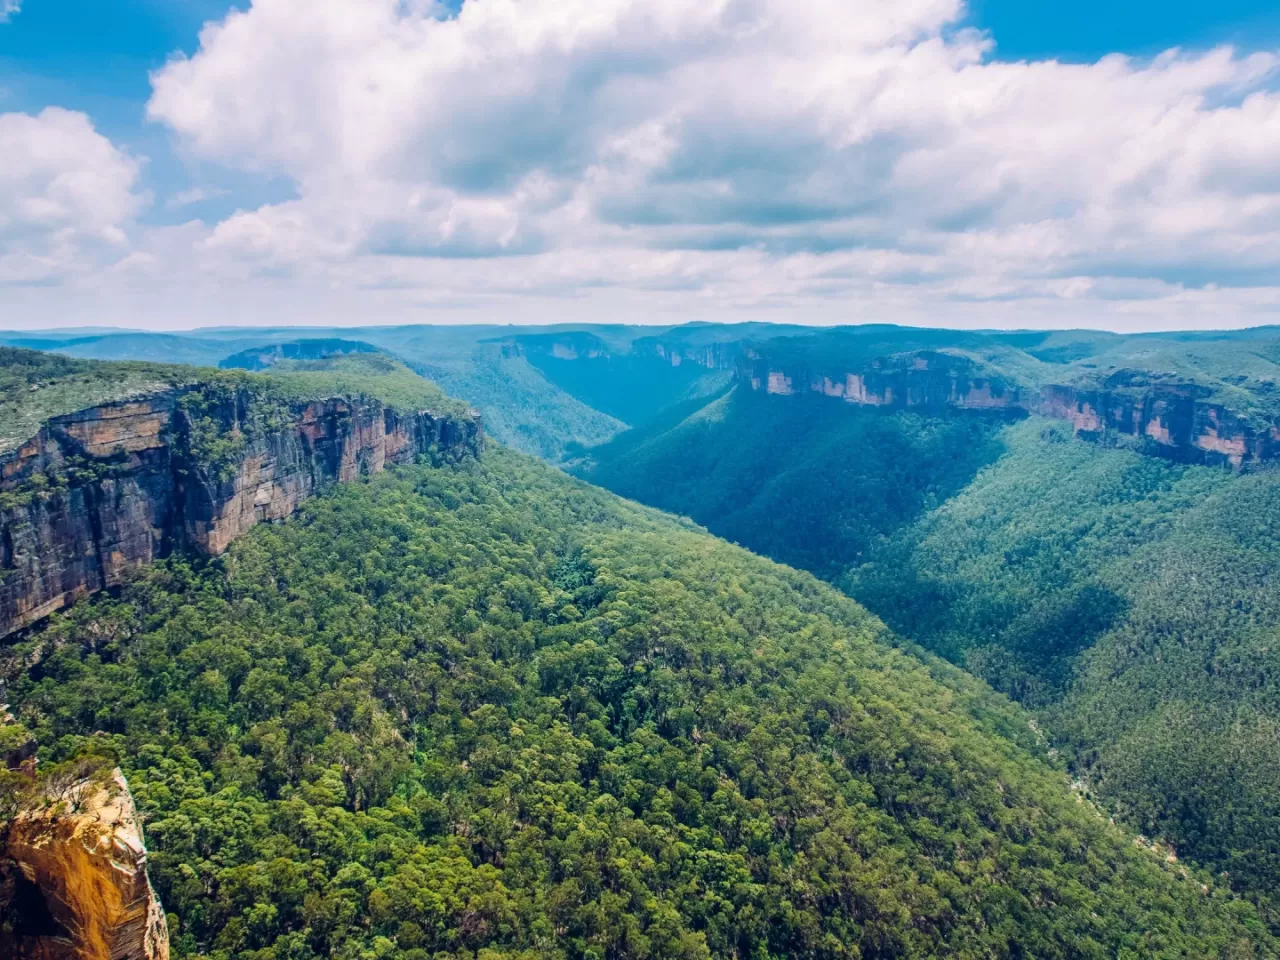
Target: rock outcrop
x: 73, y: 879
x: 1175, y: 419
x: 569, y: 345
x: 725, y: 355
x: 103, y: 491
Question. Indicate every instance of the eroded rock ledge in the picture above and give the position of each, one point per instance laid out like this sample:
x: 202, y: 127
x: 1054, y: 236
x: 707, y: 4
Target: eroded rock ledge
x: 98, y: 493
x: 1175, y: 419
x: 73, y: 879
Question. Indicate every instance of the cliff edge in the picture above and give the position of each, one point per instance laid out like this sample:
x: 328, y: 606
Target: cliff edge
x: 99, y: 492
x: 1176, y: 419
x: 73, y: 879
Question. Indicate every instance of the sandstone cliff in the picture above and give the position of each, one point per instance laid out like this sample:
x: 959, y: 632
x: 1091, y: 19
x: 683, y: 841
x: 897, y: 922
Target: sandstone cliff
x: 713, y: 356
x: 73, y: 880
x: 1175, y: 419
x: 101, y: 492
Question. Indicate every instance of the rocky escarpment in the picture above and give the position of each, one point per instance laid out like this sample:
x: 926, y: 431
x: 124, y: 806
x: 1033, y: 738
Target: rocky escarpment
x: 73, y: 879
x: 714, y: 356
x: 570, y: 345
x: 1175, y: 419
x: 103, y: 491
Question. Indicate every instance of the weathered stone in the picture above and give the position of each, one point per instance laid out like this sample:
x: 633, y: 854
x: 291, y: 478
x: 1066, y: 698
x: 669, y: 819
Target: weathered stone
x: 142, y: 496
x: 73, y: 878
x: 1175, y: 417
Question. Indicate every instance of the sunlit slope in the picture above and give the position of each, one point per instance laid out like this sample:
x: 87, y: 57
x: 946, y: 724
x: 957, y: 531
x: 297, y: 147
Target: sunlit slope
x: 1132, y: 601
x: 487, y: 708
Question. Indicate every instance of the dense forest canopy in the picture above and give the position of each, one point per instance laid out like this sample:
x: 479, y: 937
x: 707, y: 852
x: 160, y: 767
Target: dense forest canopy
x: 1133, y: 602
x: 1129, y: 600
x: 486, y: 710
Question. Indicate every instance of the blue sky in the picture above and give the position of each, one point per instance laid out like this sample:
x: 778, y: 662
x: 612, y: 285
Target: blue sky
x: 937, y: 187
x: 1082, y: 30
x: 97, y: 57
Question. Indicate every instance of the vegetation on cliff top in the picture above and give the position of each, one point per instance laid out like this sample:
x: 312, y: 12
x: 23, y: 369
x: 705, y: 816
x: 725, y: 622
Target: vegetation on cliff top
x: 487, y: 711
x: 377, y: 377
x: 1238, y: 369
x: 314, y: 348
x: 35, y: 387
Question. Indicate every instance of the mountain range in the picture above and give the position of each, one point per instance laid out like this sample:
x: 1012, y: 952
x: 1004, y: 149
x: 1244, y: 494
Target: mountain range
x: 1012, y: 694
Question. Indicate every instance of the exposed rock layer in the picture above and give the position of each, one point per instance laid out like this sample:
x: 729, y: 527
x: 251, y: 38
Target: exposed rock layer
x: 73, y: 876
x: 103, y: 491
x: 713, y: 356
x: 1174, y: 418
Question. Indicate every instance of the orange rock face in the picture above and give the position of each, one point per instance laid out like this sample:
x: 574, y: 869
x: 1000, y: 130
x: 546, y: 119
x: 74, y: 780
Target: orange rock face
x: 779, y: 382
x: 84, y: 858
x: 125, y: 427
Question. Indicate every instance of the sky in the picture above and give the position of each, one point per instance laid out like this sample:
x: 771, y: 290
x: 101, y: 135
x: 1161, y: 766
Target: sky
x: 171, y: 164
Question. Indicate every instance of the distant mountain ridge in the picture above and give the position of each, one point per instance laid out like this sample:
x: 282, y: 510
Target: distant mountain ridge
x: 1201, y: 397
x: 263, y: 358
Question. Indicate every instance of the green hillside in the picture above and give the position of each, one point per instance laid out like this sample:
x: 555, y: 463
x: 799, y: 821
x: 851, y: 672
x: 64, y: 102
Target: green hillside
x: 371, y: 375
x: 485, y: 710
x: 804, y: 480
x: 1132, y: 602
x: 632, y: 387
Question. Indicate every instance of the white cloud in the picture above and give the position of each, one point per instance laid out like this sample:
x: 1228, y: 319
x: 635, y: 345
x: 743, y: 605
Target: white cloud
x: 822, y: 159
x: 67, y: 196
x: 185, y: 198
x: 8, y: 8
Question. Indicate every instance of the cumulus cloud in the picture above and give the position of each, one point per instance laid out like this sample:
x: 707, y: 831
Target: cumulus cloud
x: 826, y: 159
x: 67, y: 196
x: 8, y: 8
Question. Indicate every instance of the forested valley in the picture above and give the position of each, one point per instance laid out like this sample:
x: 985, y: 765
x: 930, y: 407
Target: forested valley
x: 487, y: 708
x: 1022, y: 702
x: 1131, y: 602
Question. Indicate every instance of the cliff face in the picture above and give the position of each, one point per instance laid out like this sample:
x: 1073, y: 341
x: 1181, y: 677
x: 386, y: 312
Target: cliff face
x: 73, y: 880
x: 570, y: 345
x: 103, y: 491
x: 1175, y: 417
x: 713, y: 356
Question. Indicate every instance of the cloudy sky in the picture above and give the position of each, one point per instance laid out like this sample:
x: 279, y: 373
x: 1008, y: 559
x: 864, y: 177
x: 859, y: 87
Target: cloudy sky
x: 177, y: 163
